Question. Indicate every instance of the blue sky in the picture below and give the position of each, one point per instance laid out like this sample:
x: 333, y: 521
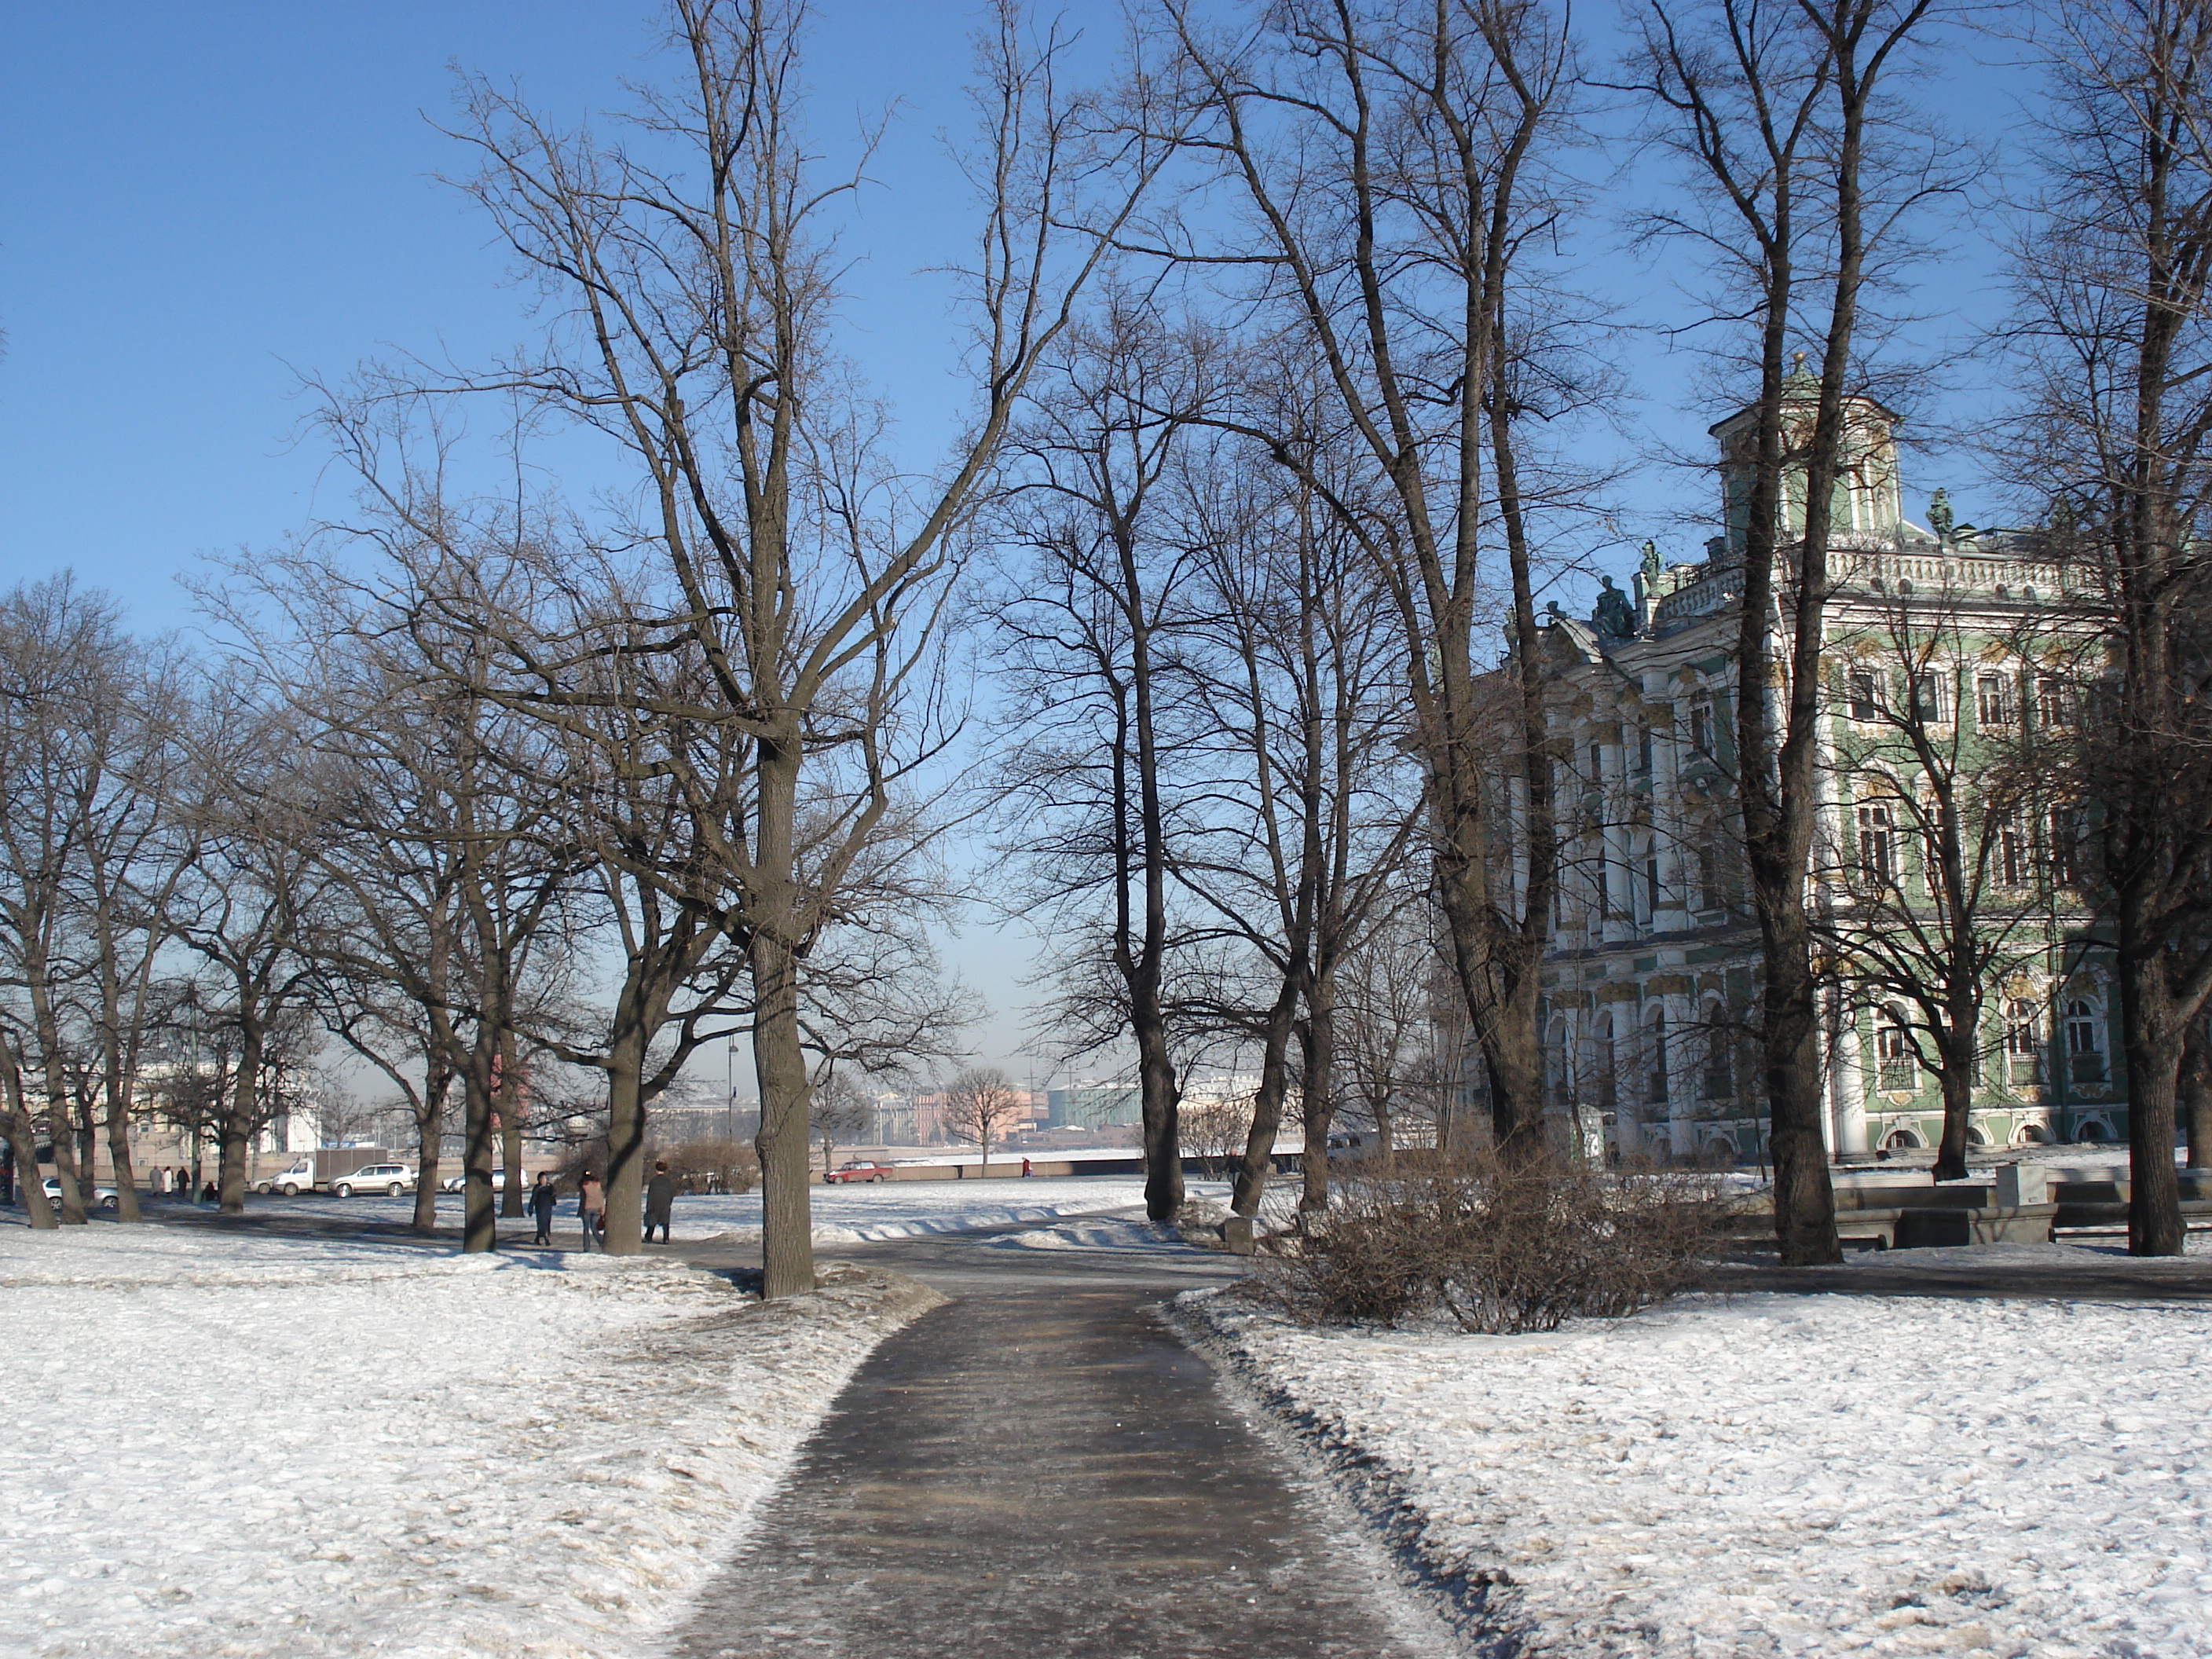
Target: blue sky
x: 199, y: 203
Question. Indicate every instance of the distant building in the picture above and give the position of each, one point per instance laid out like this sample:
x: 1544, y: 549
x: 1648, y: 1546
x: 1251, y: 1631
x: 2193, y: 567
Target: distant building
x: 1094, y: 1106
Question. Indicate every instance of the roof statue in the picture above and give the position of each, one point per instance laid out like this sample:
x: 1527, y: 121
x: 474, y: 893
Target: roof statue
x: 1613, y: 615
x: 1651, y: 566
x: 1940, y: 517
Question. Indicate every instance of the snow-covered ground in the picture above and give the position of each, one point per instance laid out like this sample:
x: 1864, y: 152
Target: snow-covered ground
x: 1780, y: 1474
x: 843, y: 1214
x: 219, y: 1445
x: 1095, y: 1234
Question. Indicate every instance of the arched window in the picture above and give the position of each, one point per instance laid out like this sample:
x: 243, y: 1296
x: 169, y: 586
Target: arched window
x: 2023, y: 1040
x: 1557, y: 1069
x: 2085, y: 1057
x: 1720, y: 1069
x: 1895, y: 1050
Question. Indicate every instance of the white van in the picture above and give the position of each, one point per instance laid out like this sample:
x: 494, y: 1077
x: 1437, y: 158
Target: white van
x: 300, y: 1178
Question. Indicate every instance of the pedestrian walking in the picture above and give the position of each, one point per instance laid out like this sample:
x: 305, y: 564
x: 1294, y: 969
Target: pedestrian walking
x: 1026, y: 1171
x: 660, y: 1201
x: 542, y: 1197
x: 592, y: 1207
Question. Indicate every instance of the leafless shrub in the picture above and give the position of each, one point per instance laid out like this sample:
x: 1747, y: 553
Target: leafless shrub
x: 1501, y: 1245
x: 714, y: 1164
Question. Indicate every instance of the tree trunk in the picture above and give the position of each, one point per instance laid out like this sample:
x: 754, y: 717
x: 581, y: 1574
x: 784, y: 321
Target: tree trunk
x: 1804, y: 1197
x: 429, y: 1139
x: 2196, y: 1088
x: 1163, y: 1101
x: 2153, y: 1041
x: 479, y: 1217
x: 626, y: 1139
x: 87, y: 1142
x: 1253, y: 1168
x: 24, y: 1139
x: 234, y: 1130
x: 117, y: 1093
x: 1957, y: 1078
x: 1317, y: 1048
x: 511, y: 1097
x: 780, y: 1071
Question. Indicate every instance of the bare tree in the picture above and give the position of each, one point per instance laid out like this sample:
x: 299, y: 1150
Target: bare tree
x: 1299, y: 737
x: 841, y: 1113
x: 85, y: 865
x: 1394, y: 163
x: 2114, y: 446
x: 1800, y: 183
x: 981, y: 1105
x: 1090, y: 627
x: 693, y: 282
x: 251, y: 909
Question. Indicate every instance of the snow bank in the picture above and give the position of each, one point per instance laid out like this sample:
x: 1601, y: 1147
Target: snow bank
x: 1777, y: 1475
x: 269, y: 1447
x: 1097, y: 1235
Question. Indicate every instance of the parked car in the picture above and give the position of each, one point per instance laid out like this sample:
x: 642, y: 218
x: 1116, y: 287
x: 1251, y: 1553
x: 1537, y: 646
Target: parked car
x: 300, y: 1178
x: 103, y: 1198
x: 862, y: 1172
x: 453, y: 1183
x: 394, y: 1178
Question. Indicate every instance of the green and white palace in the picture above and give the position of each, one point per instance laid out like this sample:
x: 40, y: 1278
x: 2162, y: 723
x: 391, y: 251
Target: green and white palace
x: 1649, y: 992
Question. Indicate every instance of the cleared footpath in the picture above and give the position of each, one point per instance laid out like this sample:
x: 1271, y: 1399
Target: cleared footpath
x: 1038, y: 1469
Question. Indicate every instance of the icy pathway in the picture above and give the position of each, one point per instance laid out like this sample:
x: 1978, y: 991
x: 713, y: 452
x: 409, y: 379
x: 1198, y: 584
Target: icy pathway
x: 1041, y: 1468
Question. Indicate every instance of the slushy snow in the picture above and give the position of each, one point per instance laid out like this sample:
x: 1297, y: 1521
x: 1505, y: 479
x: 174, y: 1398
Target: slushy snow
x: 1778, y: 1473
x: 256, y: 1446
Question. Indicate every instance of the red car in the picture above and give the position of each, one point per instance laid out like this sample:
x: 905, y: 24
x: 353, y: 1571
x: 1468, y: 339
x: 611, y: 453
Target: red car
x: 858, y: 1172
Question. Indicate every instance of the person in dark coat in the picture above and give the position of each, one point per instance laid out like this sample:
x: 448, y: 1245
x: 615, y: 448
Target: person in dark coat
x: 541, y: 1207
x: 660, y: 1202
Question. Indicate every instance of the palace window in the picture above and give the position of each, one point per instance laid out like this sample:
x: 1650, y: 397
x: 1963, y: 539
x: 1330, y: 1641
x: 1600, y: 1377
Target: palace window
x: 1993, y: 700
x: 1877, y: 845
x: 1656, y: 1093
x: 1866, y: 695
x: 2015, y: 862
x: 2023, y: 1040
x: 1928, y: 703
x: 1720, y: 1072
x: 2085, y: 1059
x: 1643, y: 749
x: 2065, y: 846
x: 1894, y: 1049
x: 1701, y: 728
x: 1710, y: 894
x: 2053, y: 706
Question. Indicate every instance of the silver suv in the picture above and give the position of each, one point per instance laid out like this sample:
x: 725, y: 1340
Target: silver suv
x: 394, y: 1178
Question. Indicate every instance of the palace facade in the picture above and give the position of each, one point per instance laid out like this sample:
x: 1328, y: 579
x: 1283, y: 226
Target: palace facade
x: 1650, y: 990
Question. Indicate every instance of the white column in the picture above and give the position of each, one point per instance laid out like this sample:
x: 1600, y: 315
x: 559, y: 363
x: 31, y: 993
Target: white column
x: 1682, y: 1134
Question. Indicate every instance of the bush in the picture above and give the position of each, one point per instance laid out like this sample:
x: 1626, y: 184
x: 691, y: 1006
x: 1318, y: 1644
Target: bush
x: 1501, y: 1245
x: 713, y: 1165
